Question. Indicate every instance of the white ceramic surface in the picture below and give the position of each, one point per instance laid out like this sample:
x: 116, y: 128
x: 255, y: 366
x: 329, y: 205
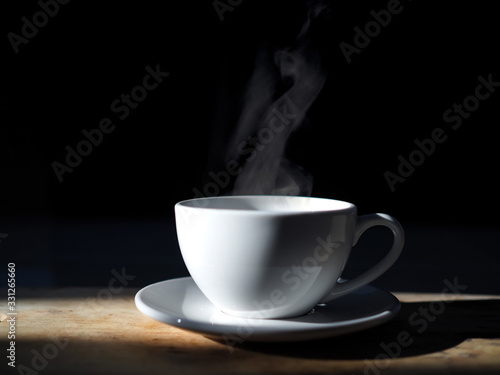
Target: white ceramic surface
x: 274, y: 256
x: 180, y: 303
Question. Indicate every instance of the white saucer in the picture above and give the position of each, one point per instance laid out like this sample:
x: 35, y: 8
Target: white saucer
x: 180, y: 303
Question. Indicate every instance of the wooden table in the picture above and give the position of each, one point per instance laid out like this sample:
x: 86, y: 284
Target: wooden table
x: 98, y: 331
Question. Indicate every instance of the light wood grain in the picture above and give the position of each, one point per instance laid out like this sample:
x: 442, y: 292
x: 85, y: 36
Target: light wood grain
x: 83, y: 334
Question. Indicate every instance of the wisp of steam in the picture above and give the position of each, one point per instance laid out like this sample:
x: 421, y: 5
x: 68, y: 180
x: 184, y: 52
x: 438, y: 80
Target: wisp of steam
x: 282, y: 88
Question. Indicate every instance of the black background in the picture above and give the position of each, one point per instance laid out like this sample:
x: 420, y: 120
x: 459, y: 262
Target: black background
x: 115, y: 209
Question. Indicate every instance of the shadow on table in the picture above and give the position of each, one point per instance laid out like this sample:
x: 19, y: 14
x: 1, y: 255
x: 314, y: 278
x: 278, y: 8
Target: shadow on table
x: 419, y: 328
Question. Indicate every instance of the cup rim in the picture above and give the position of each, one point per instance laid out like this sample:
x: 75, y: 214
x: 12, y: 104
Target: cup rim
x: 189, y: 204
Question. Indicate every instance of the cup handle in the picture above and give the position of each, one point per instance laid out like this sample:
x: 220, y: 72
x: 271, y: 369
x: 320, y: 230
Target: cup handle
x: 364, y: 222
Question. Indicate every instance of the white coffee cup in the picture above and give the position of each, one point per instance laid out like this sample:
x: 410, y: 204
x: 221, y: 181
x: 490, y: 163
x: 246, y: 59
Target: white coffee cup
x: 259, y: 256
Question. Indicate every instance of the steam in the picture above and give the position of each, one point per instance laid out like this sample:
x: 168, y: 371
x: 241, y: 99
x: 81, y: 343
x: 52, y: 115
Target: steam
x: 282, y: 88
